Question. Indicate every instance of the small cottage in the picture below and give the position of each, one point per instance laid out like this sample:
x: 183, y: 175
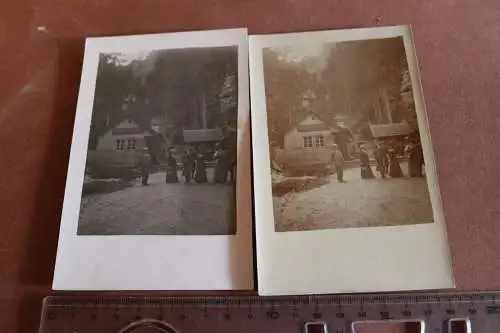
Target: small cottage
x: 309, y: 133
x: 309, y: 142
x: 117, y: 149
x: 125, y: 136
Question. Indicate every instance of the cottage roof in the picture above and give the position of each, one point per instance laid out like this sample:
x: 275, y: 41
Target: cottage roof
x: 390, y: 130
x: 137, y: 129
x: 127, y: 131
x: 329, y: 124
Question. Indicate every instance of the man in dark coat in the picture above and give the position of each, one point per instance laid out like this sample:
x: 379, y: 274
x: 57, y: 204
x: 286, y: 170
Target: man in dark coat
x: 188, y: 162
x: 338, y: 162
x: 200, y: 175
x: 416, y: 160
x: 145, y: 166
x: 171, y: 176
x: 364, y: 160
x: 154, y: 142
x: 231, y: 151
x: 382, y: 157
x: 232, y: 165
x: 221, y: 158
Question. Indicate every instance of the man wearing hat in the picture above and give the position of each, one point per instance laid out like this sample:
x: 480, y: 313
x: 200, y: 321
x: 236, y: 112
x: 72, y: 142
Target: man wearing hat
x: 382, y: 157
x: 145, y: 165
x: 338, y: 162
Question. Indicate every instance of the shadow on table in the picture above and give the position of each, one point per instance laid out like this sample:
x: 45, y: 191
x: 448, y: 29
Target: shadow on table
x: 41, y: 243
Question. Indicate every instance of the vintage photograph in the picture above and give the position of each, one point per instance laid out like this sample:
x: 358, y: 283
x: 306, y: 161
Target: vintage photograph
x: 343, y: 136
x: 162, y: 146
x: 159, y: 170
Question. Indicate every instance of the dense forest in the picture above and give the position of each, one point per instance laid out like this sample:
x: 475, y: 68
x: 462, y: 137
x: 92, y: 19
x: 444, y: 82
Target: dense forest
x: 162, y: 85
x: 362, y: 79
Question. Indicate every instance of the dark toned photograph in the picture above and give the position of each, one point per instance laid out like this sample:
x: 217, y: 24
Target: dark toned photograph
x: 344, y: 140
x: 162, y: 147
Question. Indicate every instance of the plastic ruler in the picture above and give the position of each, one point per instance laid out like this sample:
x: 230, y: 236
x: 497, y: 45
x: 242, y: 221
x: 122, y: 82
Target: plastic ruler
x: 433, y: 313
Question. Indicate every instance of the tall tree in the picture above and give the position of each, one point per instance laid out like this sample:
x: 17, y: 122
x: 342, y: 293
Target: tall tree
x: 358, y: 72
x: 114, y: 92
x: 166, y: 84
x: 286, y: 83
x: 182, y: 77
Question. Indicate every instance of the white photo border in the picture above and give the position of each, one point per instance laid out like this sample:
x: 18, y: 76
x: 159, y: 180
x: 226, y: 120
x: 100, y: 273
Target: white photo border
x: 409, y: 257
x: 155, y: 262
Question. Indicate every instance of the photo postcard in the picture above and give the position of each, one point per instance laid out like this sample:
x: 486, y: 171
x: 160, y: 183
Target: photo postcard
x: 346, y: 193
x: 158, y: 192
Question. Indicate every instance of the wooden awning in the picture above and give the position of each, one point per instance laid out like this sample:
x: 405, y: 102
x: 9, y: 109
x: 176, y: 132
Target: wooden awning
x: 202, y: 135
x: 390, y: 130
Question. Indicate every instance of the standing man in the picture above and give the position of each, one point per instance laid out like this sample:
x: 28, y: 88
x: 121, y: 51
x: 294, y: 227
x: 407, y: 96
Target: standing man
x: 364, y: 161
x: 382, y: 157
x: 415, y: 160
x: 188, y: 165
x: 338, y: 162
x: 171, y: 176
x: 145, y: 166
x: 421, y: 160
x: 232, y: 165
x: 221, y: 164
x: 200, y: 175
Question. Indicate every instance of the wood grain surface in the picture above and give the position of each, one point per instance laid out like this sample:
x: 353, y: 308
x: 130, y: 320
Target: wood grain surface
x: 41, y: 48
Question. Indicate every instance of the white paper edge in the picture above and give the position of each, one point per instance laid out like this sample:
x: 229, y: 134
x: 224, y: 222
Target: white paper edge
x: 410, y: 257
x: 155, y: 262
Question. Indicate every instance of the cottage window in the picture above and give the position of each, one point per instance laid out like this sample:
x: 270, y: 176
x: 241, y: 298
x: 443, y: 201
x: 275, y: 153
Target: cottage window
x: 131, y: 144
x: 319, y: 141
x: 120, y: 144
x: 308, y: 142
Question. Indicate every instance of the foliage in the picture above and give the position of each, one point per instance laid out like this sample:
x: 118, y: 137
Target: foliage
x: 165, y: 84
x: 359, y: 72
x: 114, y: 85
x: 180, y: 76
x: 286, y: 85
x: 359, y: 79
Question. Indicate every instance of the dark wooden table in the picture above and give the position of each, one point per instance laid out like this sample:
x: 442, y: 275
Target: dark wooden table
x: 41, y: 48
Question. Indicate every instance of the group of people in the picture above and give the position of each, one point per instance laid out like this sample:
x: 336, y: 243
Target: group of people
x: 387, y: 161
x: 193, y: 165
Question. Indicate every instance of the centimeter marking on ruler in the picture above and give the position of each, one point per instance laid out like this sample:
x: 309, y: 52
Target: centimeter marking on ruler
x: 409, y: 298
x: 267, y: 314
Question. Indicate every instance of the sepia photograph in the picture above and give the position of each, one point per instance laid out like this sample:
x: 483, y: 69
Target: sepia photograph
x: 159, y: 168
x: 162, y: 147
x: 344, y: 138
x: 345, y: 178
